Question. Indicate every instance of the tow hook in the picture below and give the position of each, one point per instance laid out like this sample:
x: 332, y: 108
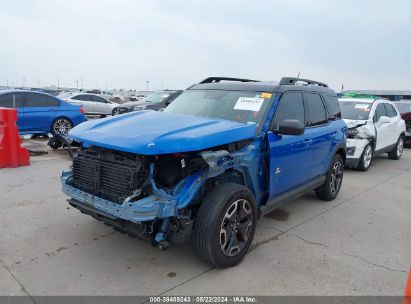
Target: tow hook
x: 161, y: 241
x: 161, y: 236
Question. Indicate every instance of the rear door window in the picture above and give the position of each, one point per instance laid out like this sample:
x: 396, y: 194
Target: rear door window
x: 6, y: 101
x: 317, y: 111
x: 40, y: 100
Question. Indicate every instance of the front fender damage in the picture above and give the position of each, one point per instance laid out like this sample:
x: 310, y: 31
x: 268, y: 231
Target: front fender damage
x: 163, y: 212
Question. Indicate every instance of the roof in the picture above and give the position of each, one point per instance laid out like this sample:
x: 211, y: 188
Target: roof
x: 2, y: 92
x: 237, y: 86
x: 260, y: 86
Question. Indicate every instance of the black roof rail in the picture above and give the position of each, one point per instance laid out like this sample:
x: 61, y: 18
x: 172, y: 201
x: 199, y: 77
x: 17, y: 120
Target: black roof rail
x: 218, y: 79
x: 294, y: 80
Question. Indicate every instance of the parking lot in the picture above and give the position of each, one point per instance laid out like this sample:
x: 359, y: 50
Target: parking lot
x: 358, y: 244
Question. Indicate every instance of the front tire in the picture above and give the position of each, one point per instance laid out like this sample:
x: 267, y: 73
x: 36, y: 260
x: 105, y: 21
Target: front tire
x: 397, y: 151
x: 114, y: 112
x: 225, y: 225
x: 332, y: 185
x: 61, y: 126
x: 366, y: 157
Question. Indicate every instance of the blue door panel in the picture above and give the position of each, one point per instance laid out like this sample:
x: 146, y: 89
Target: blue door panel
x: 290, y: 160
x: 39, y: 118
x: 20, y: 119
x: 321, y: 145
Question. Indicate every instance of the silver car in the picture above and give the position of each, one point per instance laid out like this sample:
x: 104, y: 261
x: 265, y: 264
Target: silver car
x: 93, y: 104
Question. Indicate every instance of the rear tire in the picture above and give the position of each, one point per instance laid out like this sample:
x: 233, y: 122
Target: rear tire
x: 366, y: 157
x: 225, y: 225
x: 61, y: 126
x: 397, y: 151
x: 114, y: 112
x: 332, y: 185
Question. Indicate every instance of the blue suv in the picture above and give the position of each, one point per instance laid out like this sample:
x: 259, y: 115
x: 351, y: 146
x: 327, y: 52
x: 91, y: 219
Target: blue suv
x: 224, y: 153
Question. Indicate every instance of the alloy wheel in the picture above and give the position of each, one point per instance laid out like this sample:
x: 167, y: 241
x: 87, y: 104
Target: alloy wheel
x: 400, y: 147
x: 61, y: 126
x: 367, y: 156
x: 336, y: 177
x: 236, y: 227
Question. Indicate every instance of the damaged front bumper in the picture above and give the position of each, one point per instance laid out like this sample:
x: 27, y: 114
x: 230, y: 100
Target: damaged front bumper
x: 158, y: 205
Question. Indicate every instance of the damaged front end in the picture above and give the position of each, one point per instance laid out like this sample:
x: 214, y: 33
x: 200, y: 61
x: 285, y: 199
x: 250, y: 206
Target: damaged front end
x: 360, y: 134
x: 149, y: 196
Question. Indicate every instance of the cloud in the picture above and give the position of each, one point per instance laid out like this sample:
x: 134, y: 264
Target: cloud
x: 123, y: 43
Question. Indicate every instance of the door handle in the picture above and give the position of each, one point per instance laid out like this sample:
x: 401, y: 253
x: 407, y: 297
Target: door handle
x: 308, y: 141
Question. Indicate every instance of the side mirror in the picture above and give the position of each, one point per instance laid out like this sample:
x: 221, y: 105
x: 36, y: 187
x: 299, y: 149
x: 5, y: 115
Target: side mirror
x: 384, y: 120
x: 291, y: 127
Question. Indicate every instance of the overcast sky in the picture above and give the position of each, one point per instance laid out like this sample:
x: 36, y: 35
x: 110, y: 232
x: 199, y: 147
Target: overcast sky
x: 123, y: 43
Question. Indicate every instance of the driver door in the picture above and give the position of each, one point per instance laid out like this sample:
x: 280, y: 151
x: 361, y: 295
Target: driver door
x: 383, y: 128
x: 289, y: 154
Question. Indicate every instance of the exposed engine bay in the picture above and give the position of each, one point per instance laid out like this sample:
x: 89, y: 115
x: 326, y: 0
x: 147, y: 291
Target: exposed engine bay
x: 121, y: 177
x: 156, y: 183
x: 157, y: 197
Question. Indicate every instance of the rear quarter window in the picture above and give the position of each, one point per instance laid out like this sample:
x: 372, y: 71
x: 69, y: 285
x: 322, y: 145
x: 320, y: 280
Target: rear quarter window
x: 333, y: 106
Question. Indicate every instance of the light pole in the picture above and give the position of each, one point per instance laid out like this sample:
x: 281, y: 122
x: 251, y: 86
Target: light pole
x: 147, y: 82
x: 77, y: 84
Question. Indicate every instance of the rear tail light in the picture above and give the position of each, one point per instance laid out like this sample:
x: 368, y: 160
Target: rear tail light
x: 82, y: 110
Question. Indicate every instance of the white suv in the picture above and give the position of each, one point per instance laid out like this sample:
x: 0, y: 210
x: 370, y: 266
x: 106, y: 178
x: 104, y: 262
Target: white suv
x: 93, y: 104
x: 374, y: 127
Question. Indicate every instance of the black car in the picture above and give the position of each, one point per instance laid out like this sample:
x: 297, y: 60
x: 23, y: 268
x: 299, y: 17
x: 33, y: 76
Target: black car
x: 155, y: 101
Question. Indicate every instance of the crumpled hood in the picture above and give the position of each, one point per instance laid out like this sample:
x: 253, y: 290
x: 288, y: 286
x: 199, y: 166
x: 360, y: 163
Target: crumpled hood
x: 152, y: 132
x: 365, y: 130
x: 353, y: 123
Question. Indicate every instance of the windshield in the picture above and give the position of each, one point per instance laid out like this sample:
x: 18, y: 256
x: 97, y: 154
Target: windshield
x: 237, y: 106
x: 404, y: 107
x: 355, y: 110
x: 156, y: 97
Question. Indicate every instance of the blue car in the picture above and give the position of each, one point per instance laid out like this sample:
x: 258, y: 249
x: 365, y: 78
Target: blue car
x: 221, y: 155
x: 41, y: 113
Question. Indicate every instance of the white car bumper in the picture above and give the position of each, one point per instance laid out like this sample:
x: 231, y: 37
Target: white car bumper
x: 355, y: 148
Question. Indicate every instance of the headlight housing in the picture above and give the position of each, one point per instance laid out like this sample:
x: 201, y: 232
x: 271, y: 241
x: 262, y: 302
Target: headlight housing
x: 352, y: 133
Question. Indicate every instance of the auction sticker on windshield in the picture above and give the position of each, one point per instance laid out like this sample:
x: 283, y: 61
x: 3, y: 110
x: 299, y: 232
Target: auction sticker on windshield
x: 249, y: 104
x: 362, y: 106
